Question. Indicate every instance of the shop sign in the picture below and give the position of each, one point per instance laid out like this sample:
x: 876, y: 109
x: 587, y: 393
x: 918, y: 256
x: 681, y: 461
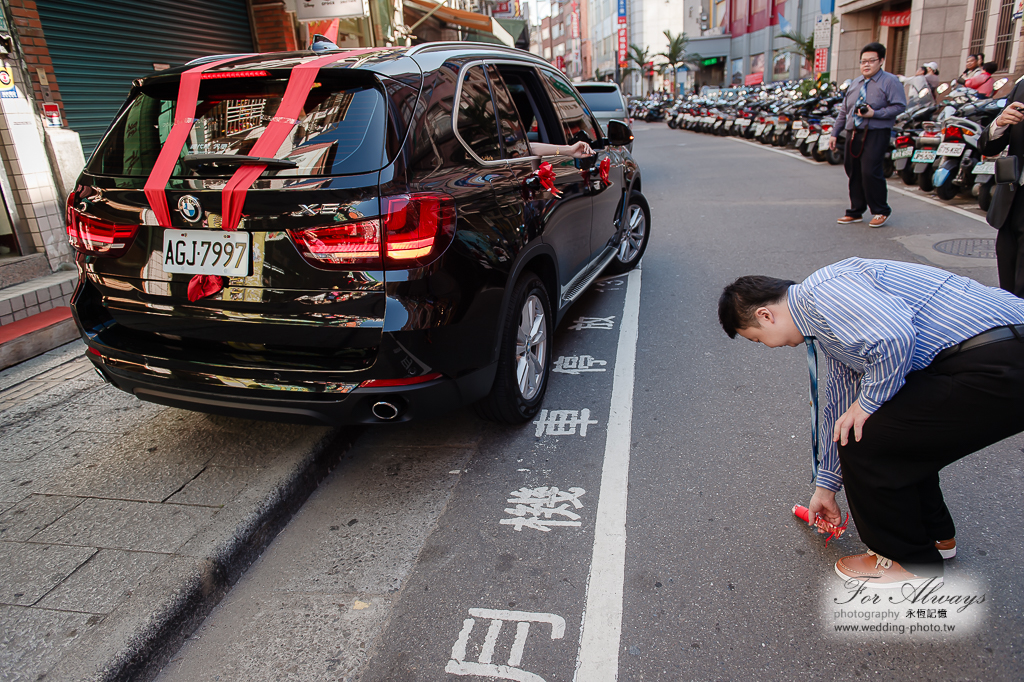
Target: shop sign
x: 622, y: 11
x: 821, y: 60
x: 822, y: 31
x: 623, y: 46
x: 7, y: 90
x: 574, y: 23
x: 754, y: 78
x: 51, y: 113
x: 895, y: 18
x: 314, y: 10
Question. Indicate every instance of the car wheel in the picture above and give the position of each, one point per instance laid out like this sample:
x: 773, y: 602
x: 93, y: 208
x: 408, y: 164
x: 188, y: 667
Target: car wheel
x: 524, y: 356
x: 634, y: 237
x: 984, y: 196
x: 907, y: 174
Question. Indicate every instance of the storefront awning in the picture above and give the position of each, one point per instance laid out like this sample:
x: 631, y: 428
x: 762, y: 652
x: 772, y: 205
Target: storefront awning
x: 481, y: 23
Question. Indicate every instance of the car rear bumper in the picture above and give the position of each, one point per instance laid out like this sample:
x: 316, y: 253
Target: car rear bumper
x: 353, y: 407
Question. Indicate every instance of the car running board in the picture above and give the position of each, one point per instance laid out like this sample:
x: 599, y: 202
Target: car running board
x: 587, y: 277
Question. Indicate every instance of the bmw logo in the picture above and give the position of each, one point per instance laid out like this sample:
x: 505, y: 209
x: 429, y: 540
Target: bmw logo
x: 189, y: 208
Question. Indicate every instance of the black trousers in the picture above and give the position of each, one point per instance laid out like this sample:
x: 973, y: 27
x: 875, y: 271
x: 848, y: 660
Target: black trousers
x: 1010, y: 248
x: 864, y: 159
x: 944, y: 412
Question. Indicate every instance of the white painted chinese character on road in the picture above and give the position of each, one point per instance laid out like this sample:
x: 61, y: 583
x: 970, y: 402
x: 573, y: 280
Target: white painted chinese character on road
x: 458, y: 665
x: 576, y: 364
x: 593, y: 323
x: 563, y: 422
x: 535, y: 507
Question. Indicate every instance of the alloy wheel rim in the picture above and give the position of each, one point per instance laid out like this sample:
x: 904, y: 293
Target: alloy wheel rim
x: 531, y: 347
x: 633, y: 238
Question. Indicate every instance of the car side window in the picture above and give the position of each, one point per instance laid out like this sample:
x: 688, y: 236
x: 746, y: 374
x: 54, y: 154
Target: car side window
x: 511, y: 127
x: 576, y: 120
x: 476, y: 122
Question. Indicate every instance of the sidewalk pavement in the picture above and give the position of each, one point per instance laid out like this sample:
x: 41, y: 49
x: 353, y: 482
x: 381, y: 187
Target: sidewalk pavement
x: 122, y: 523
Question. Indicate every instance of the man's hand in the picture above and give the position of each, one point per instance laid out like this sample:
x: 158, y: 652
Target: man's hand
x: 832, y: 143
x: 823, y: 504
x: 1011, y: 114
x: 853, y: 417
x: 870, y: 112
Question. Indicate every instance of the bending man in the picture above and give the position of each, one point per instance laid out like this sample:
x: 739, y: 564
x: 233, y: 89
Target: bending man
x: 924, y: 367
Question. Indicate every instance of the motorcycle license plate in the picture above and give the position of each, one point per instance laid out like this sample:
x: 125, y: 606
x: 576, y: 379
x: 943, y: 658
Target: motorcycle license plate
x: 902, y: 152
x: 813, y: 138
x: 207, y: 252
x: 951, y: 148
x: 798, y: 125
x: 780, y: 127
x: 823, y: 142
x: 801, y: 134
x: 759, y: 128
x: 985, y: 168
x: 727, y: 124
x: 743, y: 123
x: 923, y: 156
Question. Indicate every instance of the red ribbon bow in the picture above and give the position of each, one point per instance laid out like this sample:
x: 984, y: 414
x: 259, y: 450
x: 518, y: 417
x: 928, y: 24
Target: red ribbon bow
x: 823, y: 526
x: 546, y: 175
x: 604, y: 167
x: 202, y: 286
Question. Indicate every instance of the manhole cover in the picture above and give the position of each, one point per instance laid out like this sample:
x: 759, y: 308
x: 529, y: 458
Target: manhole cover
x: 968, y: 248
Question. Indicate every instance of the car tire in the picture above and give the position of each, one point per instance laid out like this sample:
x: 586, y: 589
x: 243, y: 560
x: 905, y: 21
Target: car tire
x: 635, y: 237
x: 984, y: 196
x: 524, y: 358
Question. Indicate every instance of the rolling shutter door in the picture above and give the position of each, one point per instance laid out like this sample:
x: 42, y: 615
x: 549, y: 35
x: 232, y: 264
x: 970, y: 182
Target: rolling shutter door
x: 99, y: 48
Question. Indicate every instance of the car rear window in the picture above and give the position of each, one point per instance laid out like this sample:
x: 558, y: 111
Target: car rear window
x: 341, y: 129
x: 601, y: 97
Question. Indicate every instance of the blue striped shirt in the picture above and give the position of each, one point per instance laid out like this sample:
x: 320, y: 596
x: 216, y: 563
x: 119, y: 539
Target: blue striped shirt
x: 877, y: 320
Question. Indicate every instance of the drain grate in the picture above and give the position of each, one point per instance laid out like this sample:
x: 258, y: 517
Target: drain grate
x: 968, y: 248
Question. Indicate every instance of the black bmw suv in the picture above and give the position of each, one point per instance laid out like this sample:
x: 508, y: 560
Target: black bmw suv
x: 347, y: 236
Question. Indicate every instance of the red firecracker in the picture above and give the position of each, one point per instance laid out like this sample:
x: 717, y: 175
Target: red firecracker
x: 823, y: 526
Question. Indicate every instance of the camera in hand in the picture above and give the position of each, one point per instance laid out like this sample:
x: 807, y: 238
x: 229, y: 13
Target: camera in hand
x: 862, y: 109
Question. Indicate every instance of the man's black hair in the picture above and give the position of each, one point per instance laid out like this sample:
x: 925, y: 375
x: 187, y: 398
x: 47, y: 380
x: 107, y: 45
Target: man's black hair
x: 980, y: 57
x: 990, y: 67
x: 741, y: 299
x: 877, y: 48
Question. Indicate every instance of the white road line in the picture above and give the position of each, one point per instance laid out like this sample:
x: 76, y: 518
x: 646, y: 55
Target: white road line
x: 898, y: 190
x: 598, y: 658
x: 776, y: 151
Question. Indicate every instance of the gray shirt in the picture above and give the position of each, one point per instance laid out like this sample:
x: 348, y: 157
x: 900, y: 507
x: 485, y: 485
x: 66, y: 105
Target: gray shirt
x: 885, y: 95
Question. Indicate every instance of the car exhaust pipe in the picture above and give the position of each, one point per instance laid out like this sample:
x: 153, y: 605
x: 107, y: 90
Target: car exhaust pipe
x: 103, y: 376
x: 384, y: 411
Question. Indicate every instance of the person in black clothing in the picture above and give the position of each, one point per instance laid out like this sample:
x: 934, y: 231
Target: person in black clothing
x: 1006, y: 212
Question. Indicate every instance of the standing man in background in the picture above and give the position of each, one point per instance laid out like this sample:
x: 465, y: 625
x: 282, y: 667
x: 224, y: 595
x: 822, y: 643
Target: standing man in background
x: 867, y: 113
x: 1006, y: 212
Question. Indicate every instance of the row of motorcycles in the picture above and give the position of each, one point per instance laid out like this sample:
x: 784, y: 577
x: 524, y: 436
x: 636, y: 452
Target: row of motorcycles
x: 933, y: 144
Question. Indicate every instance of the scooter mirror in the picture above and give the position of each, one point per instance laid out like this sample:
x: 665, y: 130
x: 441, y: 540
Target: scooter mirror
x: 942, y: 88
x: 999, y: 83
x: 1002, y: 103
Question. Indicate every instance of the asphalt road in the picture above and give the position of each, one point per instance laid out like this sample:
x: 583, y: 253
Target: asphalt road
x: 458, y: 548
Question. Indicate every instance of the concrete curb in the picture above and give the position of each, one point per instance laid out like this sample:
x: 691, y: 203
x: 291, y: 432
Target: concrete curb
x: 142, y: 634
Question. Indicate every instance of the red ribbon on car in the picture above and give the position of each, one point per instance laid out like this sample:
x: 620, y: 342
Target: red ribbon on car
x: 604, y: 168
x: 201, y: 286
x: 546, y: 175
x: 184, y: 118
x: 269, y: 143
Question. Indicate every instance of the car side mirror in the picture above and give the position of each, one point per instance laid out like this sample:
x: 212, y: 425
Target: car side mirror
x: 619, y: 134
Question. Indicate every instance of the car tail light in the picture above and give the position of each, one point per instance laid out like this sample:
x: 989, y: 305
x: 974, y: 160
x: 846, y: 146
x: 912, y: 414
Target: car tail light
x: 216, y: 75
x: 903, y: 141
x: 95, y: 237
x: 407, y: 381
x: 413, y: 231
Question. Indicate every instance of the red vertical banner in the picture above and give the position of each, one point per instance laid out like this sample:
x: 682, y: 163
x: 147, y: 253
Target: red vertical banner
x: 821, y: 60
x: 623, y: 46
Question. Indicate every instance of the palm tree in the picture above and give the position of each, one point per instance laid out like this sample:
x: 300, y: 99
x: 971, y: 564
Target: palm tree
x: 676, y: 55
x: 803, y: 45
x: 638, y: 57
